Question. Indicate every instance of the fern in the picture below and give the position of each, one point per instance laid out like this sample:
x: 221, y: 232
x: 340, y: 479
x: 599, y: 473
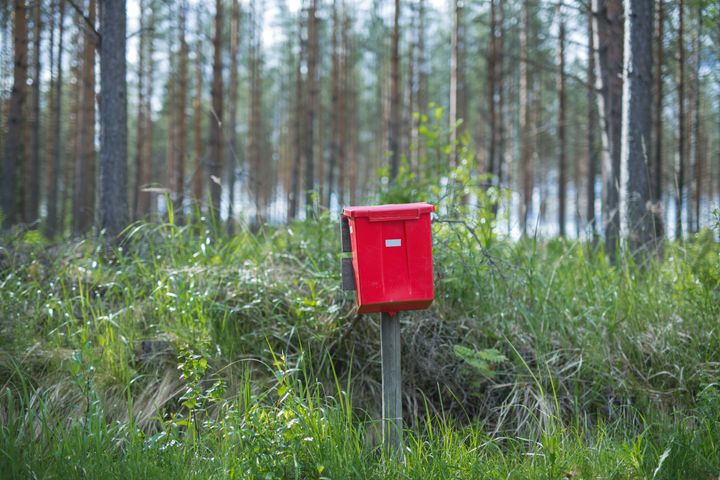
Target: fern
x: 482, y: 360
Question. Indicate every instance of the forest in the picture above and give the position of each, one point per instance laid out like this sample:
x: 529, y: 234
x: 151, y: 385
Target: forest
x: 173, y: 178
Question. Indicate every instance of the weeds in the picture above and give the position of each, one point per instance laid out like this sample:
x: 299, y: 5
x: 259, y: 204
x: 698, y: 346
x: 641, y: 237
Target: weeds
x: 186, y: 353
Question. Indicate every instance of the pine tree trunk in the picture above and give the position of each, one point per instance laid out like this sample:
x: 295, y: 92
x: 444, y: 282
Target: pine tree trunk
x: 334, y: 104
x: 215, y: 159
x: 592, y: 152
x: 680, y: 153
x: 32, y: 202
x: 141, y: 201
x: 394, y: 124
x: 418, y: 152
x: 657, y: 169
x: 525, y: 121
x: 232, y: 126
x: 294, y: 200
x: 343, y: 101
x: 84, y: 191
x: 16, y: 120
x: 198, y: 150
x: 54, y: 133
x: 255, y: 147
x: 637, y: 221
x: 609, y: 28
x: 113, y: 205
x: 562, y: 161
x: 177, y: 184
x: 310, y: 107
x: 694, y: 190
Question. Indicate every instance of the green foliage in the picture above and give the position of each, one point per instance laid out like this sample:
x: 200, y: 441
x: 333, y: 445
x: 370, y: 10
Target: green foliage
x: 457, y: 191
x: 483, y: 361
x: 185, y: 353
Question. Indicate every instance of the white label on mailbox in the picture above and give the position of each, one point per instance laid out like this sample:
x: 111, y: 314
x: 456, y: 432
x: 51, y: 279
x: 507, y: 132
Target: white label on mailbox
x: 392, y: 242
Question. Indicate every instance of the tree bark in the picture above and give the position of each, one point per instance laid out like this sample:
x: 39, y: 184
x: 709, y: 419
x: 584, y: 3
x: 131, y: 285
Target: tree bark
x: 16, y: 120
x: 525, y: 121
x: 54, y: 133
x: 635, y: 199
x: 232, y: 126
x: 342, y: 105
x: 310, y: 106
x: 113, y: 206
x: 177, y: 183
x: 457, y: 82
x: 32, y: 202
x: 334, y: 104
x: 609, y: 62
x: 562, y: 160
x: 592, y: 152
x: 394, y: 126
x: 658, y: 98
x: 199, y: 171
x: 418, y: 149
x: 694, y: 190
x: 215, y: 159
x: 294, y: 201
x: 680, y: 153
x: 255, y: 137
x: 141, y: 203
x: 84, y: 191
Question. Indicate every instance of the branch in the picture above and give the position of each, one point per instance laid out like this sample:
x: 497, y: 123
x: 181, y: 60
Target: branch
x: 88, y: 23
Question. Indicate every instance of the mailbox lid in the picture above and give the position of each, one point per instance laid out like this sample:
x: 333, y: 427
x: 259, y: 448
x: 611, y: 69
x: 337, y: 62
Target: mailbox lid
x: 398, y: 211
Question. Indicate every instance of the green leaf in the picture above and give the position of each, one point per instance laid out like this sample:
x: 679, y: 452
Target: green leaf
x: 482, y: 360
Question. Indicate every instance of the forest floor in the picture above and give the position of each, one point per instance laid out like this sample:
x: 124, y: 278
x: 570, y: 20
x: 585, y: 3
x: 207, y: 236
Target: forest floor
x: 188, y: 353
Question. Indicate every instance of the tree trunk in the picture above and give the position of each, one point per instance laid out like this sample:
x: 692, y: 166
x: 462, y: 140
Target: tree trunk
x: 334, y: 103
x: 343, y: 121
x: 32, y: 202
x: 215, y: 159
x: 680, y: 153
x: 693, y: 202
x: 592, y: 152
x: 495, y: 96
x: 312, y: 90
x: 418, y: 148
x: 562, y: 161
x: 637, y: 221
x: 657, y: 169
x: 294, y: 201
x: 232, y: 127
x: 525, y: 121
x: 54, y: 133
x: 394, y: 127
x: 608, y: 16
x: 141, y: 203
x: 199, y: 171
x: 455, y: 80
x: 177, y: 183
x: 255, y: 137
x: 113, y: 206
x: 84, y: 191
x: 16, y: 119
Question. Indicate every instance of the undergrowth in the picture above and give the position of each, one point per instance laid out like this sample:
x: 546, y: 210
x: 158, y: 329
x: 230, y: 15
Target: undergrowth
x: 188, y: 353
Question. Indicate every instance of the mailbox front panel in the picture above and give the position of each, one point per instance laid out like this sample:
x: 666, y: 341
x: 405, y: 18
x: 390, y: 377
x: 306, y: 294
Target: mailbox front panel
x: 392, y: 259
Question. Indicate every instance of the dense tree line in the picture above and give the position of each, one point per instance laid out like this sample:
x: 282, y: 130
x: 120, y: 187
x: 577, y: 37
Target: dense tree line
x: 604, y: 112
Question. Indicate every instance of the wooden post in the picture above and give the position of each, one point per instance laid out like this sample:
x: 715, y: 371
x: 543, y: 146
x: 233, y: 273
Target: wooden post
x: 391, y: 384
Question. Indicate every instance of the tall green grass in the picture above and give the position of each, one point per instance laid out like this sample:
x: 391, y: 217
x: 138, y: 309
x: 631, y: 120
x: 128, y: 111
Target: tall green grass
x: 185, y: 352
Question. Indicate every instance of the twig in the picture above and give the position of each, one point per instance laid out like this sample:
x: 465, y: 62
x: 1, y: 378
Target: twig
x: 88, y: 23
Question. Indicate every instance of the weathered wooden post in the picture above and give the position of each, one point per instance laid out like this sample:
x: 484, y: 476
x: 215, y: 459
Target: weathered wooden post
x: 391, y: 271
x: 391, y: 383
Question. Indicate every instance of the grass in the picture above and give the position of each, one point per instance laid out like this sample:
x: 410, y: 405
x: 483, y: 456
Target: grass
x: 187, y: 354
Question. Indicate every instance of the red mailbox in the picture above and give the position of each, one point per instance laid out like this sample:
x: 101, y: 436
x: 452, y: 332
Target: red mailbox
x: 391, y: 256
